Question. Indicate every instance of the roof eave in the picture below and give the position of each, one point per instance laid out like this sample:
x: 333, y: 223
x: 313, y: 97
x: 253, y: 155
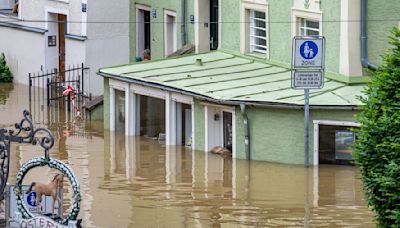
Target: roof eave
x: 230, y: 102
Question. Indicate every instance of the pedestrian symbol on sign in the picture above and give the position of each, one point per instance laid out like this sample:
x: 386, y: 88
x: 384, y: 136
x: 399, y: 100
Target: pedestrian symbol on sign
x: 308, y: 50
x: 31, y: 199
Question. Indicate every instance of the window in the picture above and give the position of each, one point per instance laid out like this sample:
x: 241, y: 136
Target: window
x: 258, y: 32
x: 343, y: 142
x: 306, y: 27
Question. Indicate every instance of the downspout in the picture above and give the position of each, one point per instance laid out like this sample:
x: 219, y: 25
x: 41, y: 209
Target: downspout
x: 246, y: 131
x: 183, y: 22
x: 364, y: 57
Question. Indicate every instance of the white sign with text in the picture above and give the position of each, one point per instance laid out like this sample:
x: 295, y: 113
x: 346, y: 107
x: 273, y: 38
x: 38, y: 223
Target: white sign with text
x: 307, y: 79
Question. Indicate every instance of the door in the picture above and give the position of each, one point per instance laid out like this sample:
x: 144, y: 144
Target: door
x: 143, y: 31
x: 147, y: 31
x: 188, y: 127
x: 170, y: 34
x: 227, y: 130
x: 214, y: 24
x: 62, y: 30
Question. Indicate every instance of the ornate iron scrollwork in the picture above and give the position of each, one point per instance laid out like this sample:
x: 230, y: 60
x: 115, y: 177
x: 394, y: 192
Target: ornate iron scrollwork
x: 24, y: 132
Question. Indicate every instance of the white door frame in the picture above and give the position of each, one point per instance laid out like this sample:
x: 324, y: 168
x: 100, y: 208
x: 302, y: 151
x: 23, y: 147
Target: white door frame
x: 174, y: 41
x: 138, y: 8
x: 122, y: 86
x: 329, y: 123
x: 221, y: 109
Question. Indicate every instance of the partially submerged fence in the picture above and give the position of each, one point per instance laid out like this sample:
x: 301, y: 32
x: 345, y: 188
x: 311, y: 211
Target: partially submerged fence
x: 64, y: 91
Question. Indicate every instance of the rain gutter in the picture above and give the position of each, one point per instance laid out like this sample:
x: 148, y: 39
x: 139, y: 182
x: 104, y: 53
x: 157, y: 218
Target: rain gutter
x: 364, y: 57
x: 246, y: 130
x: 230, y: 102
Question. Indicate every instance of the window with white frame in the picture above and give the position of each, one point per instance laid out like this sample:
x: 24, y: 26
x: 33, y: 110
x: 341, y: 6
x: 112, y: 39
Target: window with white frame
x: 307, y: 27
x: 258, y: 32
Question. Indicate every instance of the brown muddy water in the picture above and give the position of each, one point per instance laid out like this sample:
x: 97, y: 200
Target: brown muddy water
x: 138, y: 182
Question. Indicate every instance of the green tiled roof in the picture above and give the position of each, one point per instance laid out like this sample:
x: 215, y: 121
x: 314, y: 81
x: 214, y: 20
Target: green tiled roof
x: 227, y: 77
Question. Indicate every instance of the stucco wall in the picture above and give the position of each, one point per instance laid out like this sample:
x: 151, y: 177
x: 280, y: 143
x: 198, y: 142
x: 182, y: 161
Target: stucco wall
x: 277, y: 135
x: 280, y: 30
x: 382, y: 16
x: 230, y: 31
x: 101, y: 53
x: 36, y: 10
x: 107, y: 43
x: 331, y: 31
x: 22, y: 57
x: 157, y: 26
x: 75, y: 53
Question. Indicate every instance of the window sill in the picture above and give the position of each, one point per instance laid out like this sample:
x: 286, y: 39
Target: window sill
x: 257, y: 55
x: 62, y: 1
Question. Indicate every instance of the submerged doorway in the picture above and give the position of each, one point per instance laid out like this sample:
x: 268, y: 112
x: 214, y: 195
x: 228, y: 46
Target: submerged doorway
x: 220, y: 128
x: 120, y: 111
x: 333, y: 141
x: 183, y: 124
x: 150, y: 117
x: 227, y: 130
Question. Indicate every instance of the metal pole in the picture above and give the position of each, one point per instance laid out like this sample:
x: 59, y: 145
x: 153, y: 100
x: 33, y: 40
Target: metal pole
x: 83, y: 81
x: 48, y: 91
x: 69, y: 102
x: 306, y: 126
x: 30, y: 89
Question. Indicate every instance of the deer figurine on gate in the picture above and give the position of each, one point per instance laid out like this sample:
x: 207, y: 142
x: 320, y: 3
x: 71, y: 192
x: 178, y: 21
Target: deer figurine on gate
x: 50, y: 189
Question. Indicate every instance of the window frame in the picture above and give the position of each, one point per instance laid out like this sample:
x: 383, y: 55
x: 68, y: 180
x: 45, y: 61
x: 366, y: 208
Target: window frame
x: 301, y: 24
x: 246, y: 6
x: 253, y: 46
x: 307, y: 15
x: 170, y: 13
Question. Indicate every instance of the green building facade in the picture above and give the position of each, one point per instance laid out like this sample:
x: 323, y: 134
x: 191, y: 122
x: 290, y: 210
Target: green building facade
x: 157, y: 11
x: 246, y: 82
x: 338, y: 21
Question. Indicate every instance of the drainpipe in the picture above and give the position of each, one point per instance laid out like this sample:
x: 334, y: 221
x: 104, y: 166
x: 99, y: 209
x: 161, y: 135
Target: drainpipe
x: 246, y: 130
x: 364, y: 57
x: 183, y: 22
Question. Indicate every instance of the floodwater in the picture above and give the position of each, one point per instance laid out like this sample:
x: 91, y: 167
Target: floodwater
x: 138, y: 182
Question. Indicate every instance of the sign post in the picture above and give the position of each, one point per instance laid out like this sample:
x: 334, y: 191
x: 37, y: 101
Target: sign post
x: 308, y: 68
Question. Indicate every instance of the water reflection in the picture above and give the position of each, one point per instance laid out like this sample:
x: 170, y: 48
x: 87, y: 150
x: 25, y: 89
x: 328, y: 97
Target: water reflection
x: 176, y: 187
x: 138, y: 182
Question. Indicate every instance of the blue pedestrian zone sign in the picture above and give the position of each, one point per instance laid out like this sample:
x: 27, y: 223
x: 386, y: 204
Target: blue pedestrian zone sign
x: 308, y: 52
x: 31, y: 199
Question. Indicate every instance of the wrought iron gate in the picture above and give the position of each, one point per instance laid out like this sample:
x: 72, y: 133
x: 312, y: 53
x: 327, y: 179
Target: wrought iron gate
x: 46, y: 89
x: 24, y: 132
